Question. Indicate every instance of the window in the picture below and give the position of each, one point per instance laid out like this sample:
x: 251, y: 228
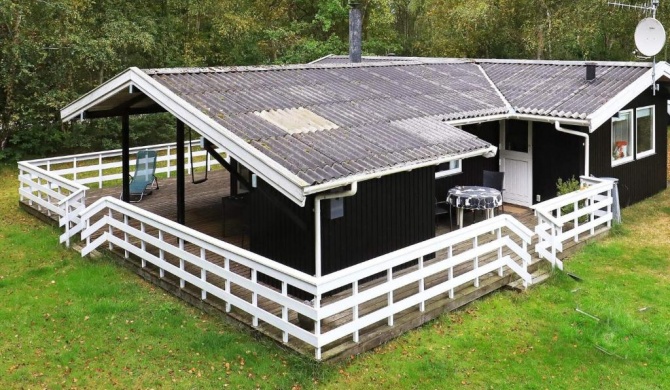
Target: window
x: 448, y: 169
x: 644, y: 120
x: 622, y: 137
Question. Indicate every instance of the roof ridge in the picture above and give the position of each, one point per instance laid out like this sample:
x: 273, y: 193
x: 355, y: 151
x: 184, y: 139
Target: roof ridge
x: 265, y: 68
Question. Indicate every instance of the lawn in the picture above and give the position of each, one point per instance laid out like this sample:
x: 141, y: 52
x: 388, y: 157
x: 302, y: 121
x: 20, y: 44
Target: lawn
x: 68, y: 322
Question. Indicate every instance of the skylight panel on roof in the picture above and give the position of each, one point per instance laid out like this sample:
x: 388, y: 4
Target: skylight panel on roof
x: 296, y: 120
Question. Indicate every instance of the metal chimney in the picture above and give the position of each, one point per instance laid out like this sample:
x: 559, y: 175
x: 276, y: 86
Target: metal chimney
x: 590, y: 71
x: 355, y: 31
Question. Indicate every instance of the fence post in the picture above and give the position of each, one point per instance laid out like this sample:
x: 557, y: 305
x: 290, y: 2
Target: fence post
x: 254, y: 296
x: 354, y: 316
x: 389, y: 295
x: 182, y: 282
x: 422, y: 305
x: 475, y: 262
x: 161, y: 255
x: 284, y: 310
x: 203, y: 274
x: 227, y: 285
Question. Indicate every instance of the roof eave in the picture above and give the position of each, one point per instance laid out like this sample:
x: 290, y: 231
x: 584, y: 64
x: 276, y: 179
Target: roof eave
x: 488, y: 151
x: 614, y: 105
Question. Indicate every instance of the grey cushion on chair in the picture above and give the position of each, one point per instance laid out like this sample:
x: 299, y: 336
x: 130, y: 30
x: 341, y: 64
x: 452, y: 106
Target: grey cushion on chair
x: 495, y: 180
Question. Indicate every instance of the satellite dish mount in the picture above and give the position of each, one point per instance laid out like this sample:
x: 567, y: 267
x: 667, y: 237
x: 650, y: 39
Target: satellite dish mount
x: 649, y: 34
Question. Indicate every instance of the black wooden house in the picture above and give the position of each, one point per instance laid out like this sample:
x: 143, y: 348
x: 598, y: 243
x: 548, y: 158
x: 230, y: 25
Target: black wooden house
x: 345, y: 161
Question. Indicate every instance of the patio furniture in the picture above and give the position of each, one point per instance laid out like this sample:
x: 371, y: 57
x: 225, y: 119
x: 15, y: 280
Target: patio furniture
x: 473, y: 198
x: 495, y: 180
x: 441, y: 208
x: 144, y: 181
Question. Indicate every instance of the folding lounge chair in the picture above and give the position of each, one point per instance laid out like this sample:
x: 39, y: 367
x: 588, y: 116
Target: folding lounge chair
x: 144, y: 181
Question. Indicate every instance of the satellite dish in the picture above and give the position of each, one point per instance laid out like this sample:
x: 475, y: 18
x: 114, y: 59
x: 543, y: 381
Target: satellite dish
x: 649, y: 37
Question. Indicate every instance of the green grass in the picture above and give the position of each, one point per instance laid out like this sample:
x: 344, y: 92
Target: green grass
x: 71, y: 322
x: 68, y: 322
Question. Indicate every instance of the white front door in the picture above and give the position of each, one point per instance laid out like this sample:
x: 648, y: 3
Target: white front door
x: 516, y: 160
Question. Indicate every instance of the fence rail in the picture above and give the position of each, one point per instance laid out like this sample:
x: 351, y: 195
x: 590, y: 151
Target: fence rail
x: 58, y: 186
x: 105, y: 167
x: 126, y: 227
x: 567, y: 216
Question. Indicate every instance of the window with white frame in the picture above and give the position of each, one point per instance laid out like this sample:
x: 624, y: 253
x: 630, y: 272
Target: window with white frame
x: 644, y: 131
x: 447, y: 169
x: 622, y: 137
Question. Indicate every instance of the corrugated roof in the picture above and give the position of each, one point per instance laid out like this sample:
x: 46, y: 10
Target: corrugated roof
x: 560, y: 89
x: 390, y: 113
x: 374, y: 117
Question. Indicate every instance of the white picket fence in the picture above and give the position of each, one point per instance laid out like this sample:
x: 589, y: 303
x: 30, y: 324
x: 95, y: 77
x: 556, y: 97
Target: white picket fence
x: 591, y: 209
x: 58, y: 185
x: 125, y: 227
x: 104, y: 167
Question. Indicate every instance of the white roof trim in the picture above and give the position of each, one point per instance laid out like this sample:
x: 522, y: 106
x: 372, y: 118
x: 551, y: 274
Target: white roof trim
x: 279, y: 177
x: 116, y: 84
x: 316, y: 61
x: 614, y: 105
x: 510, y: 109
x: 486, y: 152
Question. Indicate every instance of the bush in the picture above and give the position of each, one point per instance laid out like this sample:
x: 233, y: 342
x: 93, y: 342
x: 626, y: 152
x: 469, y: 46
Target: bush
x: 565, y: 187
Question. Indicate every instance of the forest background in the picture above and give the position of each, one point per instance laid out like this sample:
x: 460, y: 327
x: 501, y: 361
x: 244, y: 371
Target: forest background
x: 53, y: 51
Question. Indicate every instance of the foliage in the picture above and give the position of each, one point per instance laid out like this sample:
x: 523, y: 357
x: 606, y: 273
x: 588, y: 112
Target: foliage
x: 53, y: 51
x: 566, y: 187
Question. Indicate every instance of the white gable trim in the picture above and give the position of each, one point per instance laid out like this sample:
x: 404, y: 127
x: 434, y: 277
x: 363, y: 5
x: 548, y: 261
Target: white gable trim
x: 276, y: 175
x: 614, y: 105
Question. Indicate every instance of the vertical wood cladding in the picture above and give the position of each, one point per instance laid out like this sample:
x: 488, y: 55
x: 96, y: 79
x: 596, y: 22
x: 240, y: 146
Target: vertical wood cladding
x: 555, y: 155
x: 280, y: 229
x: 472, y: 167
x: 386, y: 214
x: 641, y: 177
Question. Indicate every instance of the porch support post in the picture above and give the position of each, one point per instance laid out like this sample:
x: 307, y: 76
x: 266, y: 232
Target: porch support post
x: 233, y: 178
x: 181, y: 192
x: 125, y: 156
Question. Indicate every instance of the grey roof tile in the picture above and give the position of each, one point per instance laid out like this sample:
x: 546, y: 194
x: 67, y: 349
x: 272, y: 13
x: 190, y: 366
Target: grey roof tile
x: 388, y: 114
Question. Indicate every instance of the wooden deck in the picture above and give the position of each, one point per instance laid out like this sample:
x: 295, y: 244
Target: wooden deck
x: 205, y: 213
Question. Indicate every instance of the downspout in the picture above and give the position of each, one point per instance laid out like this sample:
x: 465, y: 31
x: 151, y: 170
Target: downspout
x: 586, y: 144
x: 317, y: 221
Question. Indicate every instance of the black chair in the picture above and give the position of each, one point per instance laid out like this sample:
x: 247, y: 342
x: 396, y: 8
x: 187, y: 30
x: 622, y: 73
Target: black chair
x: 442, y: 207
x: 495, y: 180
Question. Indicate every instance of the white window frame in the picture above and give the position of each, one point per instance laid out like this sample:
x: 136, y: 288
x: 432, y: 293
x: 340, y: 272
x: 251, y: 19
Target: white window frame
x: 631, y: 142
x: 453, y: 170
x: 651, y: 151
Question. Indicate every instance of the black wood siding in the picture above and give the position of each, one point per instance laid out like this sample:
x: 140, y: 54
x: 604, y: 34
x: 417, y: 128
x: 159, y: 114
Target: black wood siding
x: 386, y: 214
x: 555, y: 155
x: 280, y: 229
x: 472, y: 167
x: 642, y: 177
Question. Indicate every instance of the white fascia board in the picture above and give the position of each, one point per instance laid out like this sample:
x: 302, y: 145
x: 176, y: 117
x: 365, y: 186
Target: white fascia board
x: 614, y: 105
x: 316, y: 61
x: 495, y: 88
x: 489, y: 151
x: 116, y: 84
x: 277, y: 176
